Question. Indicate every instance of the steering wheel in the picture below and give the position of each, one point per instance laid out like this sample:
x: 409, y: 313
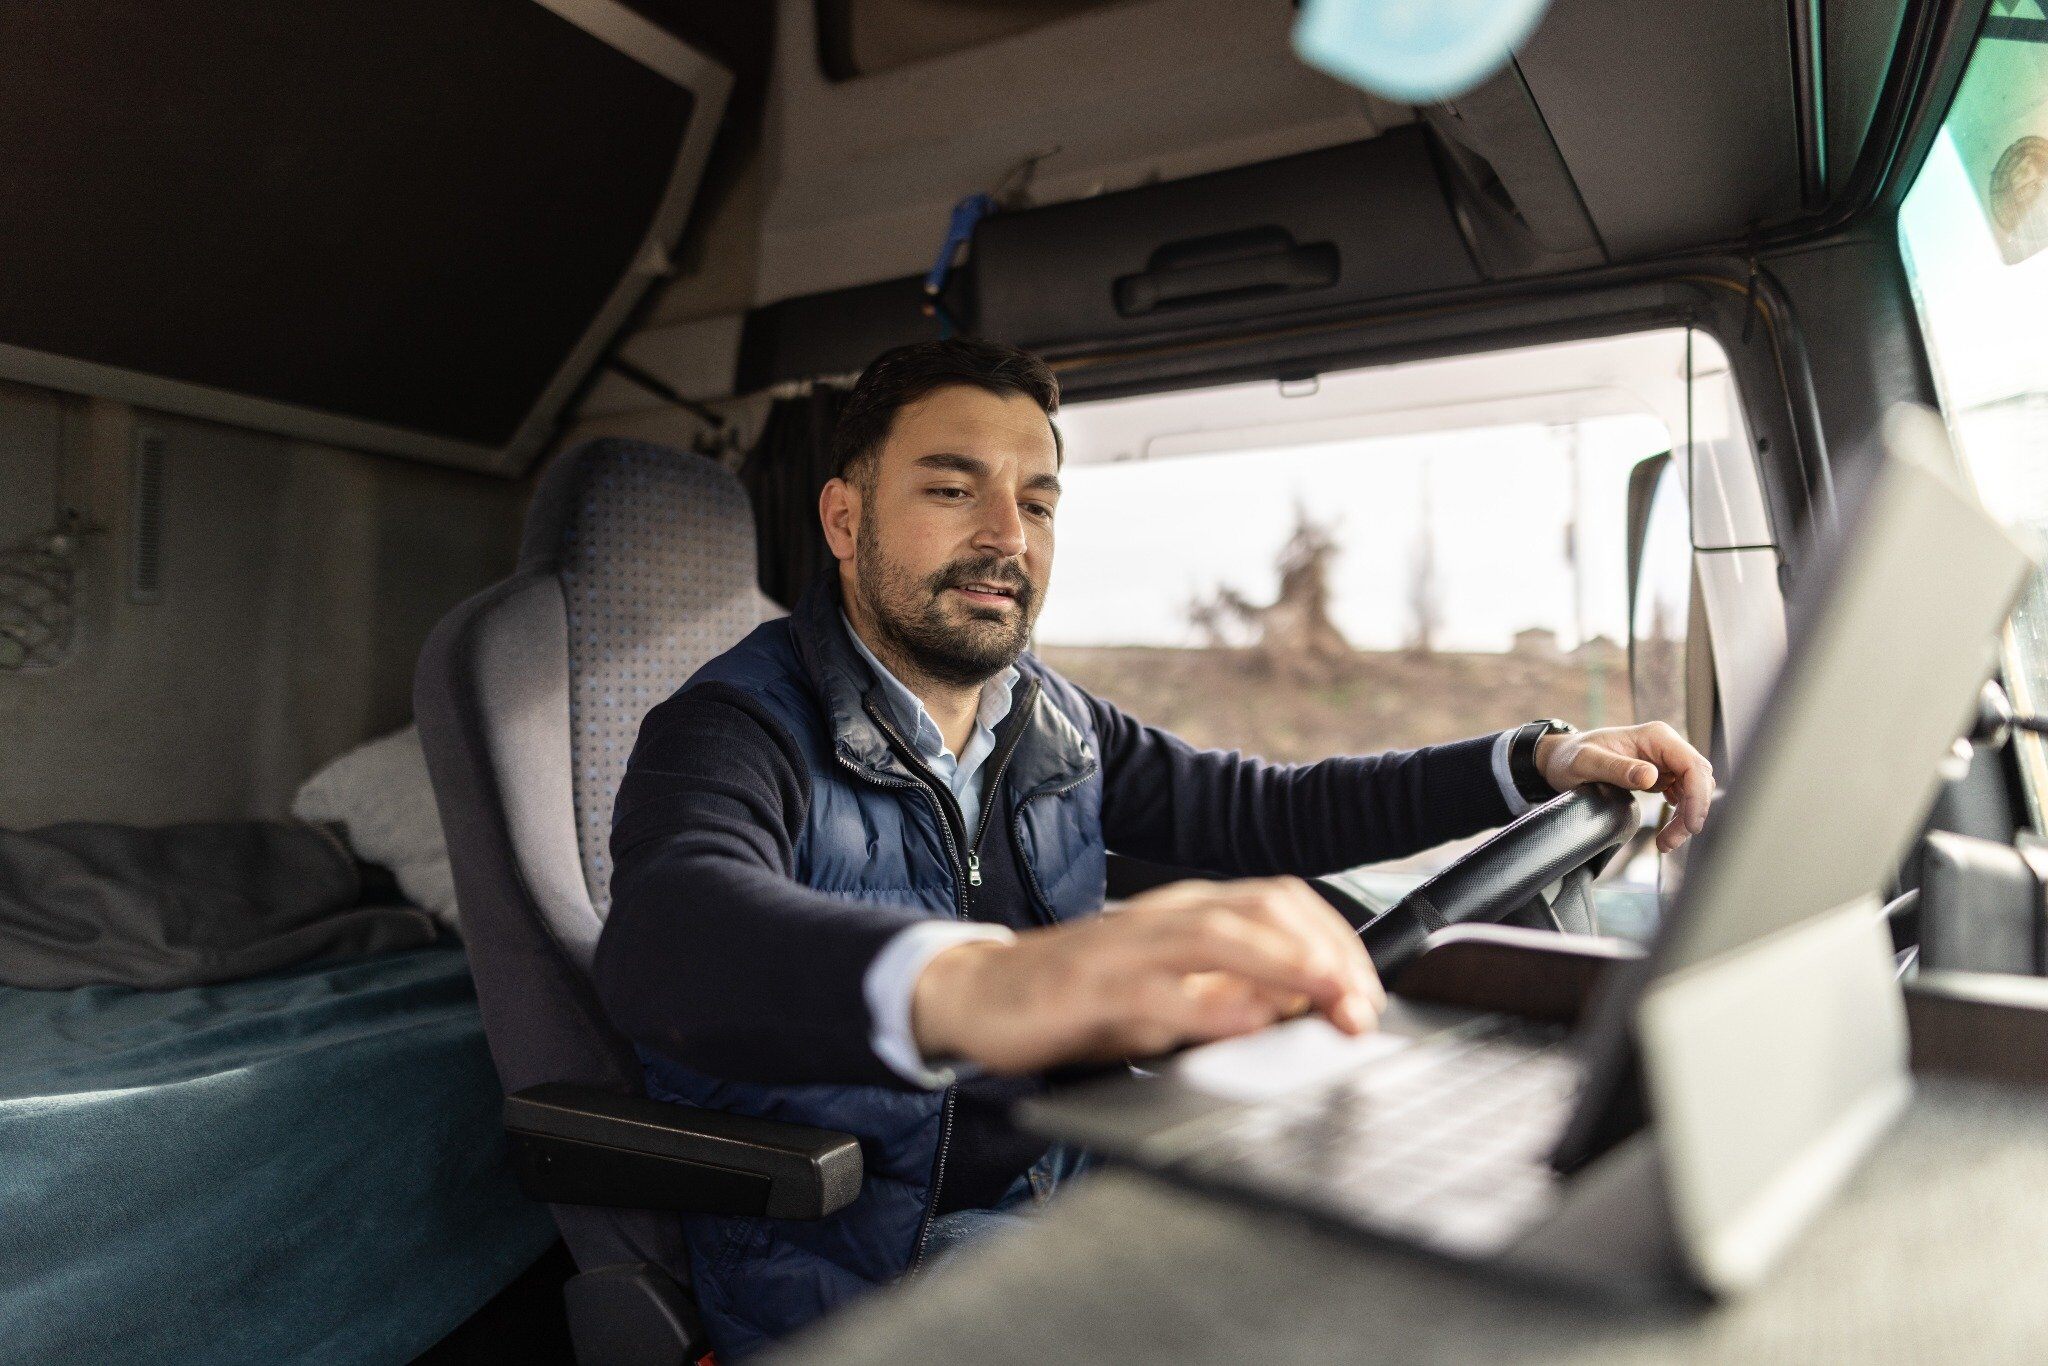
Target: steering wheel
x: 1566, y: 840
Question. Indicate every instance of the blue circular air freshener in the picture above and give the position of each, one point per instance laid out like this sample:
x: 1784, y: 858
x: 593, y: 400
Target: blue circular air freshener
x: 1414, y: 51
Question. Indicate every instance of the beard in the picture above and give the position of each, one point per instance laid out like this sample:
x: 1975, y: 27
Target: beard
x: 910, y: 613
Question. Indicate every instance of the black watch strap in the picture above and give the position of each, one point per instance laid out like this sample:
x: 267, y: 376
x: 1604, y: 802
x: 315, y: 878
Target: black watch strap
x: 1522, y: 770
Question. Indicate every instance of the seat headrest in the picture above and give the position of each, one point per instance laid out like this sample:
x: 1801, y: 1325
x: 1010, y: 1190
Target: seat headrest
x: 656, y: 555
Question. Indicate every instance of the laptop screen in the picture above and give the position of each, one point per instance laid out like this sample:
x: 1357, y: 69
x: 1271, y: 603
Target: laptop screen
x: 1891, y: 633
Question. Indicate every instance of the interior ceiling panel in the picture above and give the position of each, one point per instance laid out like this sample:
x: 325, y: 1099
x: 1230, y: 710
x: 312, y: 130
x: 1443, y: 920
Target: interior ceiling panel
x: 1112, y: 96
x: 1677, y: 120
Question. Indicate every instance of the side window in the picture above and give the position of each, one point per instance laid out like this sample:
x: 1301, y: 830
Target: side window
x: 1973, y: 230
x: 1297, y: 578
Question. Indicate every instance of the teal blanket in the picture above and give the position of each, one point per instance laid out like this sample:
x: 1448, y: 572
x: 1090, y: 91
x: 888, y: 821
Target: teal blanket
x: 305, y: 1166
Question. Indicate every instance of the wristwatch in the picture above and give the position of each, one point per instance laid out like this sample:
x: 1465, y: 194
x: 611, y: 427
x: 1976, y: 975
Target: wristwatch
x: 1522, y: 770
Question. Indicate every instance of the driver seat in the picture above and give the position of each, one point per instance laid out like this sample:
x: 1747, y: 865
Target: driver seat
x: 636, y: 567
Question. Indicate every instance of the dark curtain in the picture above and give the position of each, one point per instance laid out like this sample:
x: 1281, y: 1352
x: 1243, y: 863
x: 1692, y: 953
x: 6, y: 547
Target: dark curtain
x: 784, y: 473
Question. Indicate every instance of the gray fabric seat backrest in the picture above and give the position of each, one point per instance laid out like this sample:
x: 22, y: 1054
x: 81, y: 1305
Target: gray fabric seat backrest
x: 637, y: 566
x: 655, y: 550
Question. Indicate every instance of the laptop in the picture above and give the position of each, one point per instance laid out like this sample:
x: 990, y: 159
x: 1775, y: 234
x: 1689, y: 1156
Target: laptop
x: 1721, y: 1089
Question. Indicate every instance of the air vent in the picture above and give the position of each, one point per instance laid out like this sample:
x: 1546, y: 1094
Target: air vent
x: 146, y: 518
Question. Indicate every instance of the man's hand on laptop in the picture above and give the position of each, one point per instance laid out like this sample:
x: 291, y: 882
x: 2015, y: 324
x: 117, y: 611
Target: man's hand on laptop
x: 1179, y: 964
x: 1651, y: 757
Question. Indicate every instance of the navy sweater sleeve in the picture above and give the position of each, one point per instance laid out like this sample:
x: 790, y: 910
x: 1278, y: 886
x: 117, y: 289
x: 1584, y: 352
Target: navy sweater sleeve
x: 1222, y: 812
x: 713, y: 954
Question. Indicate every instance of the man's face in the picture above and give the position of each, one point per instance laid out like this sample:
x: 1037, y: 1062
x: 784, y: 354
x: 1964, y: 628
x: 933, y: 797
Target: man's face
x: 951, y: 532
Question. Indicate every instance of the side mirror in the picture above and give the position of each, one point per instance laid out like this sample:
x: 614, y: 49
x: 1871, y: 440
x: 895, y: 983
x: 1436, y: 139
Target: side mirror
x: 1670, y: 663
x: 1661, y: 611
x: 1644, y: 481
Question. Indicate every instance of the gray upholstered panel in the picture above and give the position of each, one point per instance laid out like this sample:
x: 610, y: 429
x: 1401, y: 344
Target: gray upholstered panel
x: 657, y: 566
x: 521, y: 661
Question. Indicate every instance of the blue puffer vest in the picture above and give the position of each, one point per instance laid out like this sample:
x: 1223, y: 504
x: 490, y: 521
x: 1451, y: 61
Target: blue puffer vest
x: 873, y: 832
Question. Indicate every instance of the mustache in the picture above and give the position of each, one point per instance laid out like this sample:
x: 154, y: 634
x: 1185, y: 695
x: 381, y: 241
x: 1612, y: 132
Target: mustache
x: 1000, y: 572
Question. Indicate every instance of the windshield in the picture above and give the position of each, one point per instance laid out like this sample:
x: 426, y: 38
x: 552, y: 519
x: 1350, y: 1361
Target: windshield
x: 1973, y: 231
x: 1390, y: 557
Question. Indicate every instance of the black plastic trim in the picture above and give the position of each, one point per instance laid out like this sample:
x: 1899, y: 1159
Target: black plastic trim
x: 580, y: 1145
x: 633, y: 1314
x: 1927, y: 69
x: 838, y: 331
x: 1809, y: 102
x: 1982, y: 906
x: 569, y: 1171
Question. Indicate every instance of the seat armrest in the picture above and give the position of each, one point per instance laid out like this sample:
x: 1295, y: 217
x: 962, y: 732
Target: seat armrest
x: 578, y: 1145
x: 1537, y: 974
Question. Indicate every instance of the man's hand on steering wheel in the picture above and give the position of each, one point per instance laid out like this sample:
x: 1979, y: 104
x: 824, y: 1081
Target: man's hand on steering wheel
x: 1648, y: 758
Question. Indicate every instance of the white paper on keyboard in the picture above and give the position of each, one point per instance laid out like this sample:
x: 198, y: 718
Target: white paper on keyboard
x: 1284, y: 1058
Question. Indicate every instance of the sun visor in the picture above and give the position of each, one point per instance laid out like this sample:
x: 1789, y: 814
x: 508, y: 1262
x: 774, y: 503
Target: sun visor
x: 386, y: 225
x: 1346, y: 225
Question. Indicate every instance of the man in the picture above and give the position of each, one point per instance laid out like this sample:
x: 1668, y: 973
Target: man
x: 859, y: 858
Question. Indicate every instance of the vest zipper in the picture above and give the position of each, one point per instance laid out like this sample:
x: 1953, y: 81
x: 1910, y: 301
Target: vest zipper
x: 950, y: 816
x: 969, y: 868
x: 947, y: 810
x: 993, y: 783
x: 931, y: 1202
x: 931, y: 1205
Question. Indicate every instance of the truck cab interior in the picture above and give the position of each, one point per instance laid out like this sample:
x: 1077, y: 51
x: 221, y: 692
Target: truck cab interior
x: 399, y: 400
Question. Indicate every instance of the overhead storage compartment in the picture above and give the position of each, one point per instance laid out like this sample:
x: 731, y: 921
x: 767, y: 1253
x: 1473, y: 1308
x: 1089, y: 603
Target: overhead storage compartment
x: 1353, y: 224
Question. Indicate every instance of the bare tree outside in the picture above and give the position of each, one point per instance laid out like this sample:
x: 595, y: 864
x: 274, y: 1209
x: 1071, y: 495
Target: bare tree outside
x: 1425, y: 600
x: 1293, y: 635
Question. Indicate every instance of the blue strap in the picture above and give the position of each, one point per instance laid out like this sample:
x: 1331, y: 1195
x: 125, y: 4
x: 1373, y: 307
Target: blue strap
x: 966, y: 214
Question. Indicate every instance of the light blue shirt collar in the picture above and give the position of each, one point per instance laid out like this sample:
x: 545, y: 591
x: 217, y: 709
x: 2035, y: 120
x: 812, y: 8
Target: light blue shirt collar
x: 962, y: 773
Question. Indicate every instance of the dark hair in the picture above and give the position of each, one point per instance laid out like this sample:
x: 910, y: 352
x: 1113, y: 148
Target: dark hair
x: 900, y: 377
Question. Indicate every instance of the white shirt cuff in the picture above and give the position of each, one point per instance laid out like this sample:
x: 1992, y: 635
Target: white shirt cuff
x: 1517, y: 804
x: 892, y: 978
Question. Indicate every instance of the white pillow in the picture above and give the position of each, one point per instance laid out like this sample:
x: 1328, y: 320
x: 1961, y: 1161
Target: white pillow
x: 382, y: 797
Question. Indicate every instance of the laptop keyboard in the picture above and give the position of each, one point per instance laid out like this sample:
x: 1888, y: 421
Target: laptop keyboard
x: 1440, y: 1139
